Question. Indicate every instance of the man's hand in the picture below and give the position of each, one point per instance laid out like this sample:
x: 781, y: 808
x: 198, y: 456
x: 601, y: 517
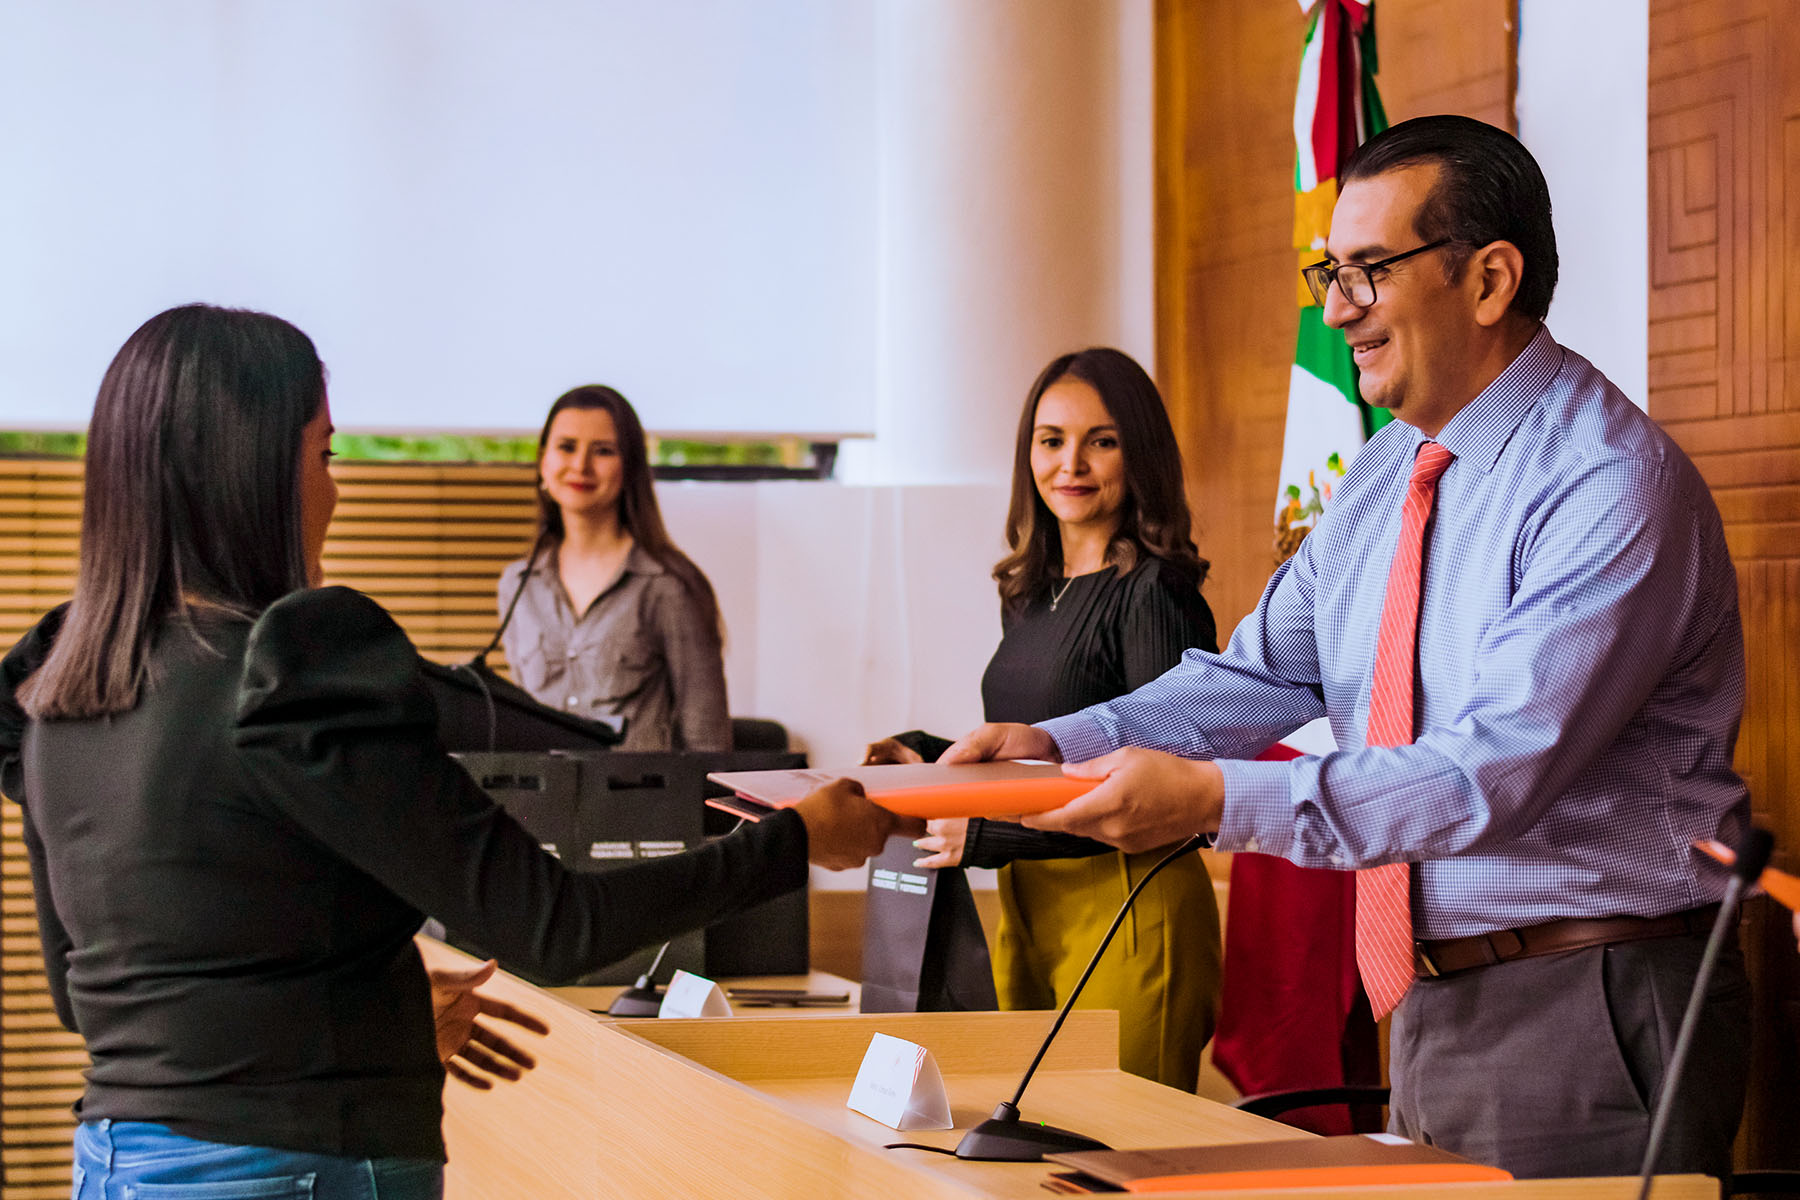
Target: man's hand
x: 994, y: 741
x: 465, y: 1047
x: 943, y: 843
x: 1147, y: 799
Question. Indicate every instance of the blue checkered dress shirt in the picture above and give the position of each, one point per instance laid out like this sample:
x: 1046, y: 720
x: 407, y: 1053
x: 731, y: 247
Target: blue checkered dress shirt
x: 1581, y: 671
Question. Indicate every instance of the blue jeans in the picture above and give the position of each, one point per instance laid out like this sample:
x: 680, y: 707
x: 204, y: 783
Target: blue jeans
x: 134, y: 1160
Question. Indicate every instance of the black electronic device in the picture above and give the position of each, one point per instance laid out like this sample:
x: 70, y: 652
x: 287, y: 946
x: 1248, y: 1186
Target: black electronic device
x: 1753, y: 852
x: 630, y: 808
x: 775, y: 937
x: 538, y: 790
x: 1004, y: 1137
x: 598, y: 810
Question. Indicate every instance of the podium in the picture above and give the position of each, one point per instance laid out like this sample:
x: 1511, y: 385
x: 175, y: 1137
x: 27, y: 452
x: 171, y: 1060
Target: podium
x: 753, y: 1106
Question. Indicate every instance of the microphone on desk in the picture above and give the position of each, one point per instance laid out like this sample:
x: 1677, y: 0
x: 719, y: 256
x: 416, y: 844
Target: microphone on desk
x: 1005, y: 1137
x: 1753, y: 853
x: 643, y: 998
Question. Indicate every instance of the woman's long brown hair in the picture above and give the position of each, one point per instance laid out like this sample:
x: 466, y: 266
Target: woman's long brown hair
x: 191, y: 497
x: 1153, y: 517
x: 639, y: 514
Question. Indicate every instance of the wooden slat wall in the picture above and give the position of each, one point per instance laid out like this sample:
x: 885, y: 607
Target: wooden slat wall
x: 40, y: 1062
x: 428, y: 541
x: 1724, y: 179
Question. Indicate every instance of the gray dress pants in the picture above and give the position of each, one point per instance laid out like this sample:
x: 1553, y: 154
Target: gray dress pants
x: 1550, y: 1066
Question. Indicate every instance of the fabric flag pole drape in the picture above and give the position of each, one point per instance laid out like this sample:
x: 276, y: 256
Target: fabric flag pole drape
x: 1292, y: 1013
x: 1336, y: 109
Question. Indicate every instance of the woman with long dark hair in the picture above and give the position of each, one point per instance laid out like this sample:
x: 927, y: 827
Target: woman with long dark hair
x: 608, y: 618
x: 237, y: 811
x: 1100, y: 593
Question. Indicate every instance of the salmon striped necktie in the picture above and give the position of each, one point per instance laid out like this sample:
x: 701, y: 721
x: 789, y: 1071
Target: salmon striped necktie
x: 1384, y: 939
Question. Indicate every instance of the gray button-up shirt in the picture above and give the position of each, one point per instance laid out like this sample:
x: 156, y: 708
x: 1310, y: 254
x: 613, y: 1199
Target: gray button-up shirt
x: 644, y: 650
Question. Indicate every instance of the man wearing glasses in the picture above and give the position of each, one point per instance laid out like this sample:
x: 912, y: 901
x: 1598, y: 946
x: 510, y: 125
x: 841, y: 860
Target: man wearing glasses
x: 1521, y: 619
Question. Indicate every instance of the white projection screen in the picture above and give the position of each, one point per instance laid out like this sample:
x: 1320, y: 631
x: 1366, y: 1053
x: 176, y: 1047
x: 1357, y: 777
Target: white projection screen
x: 471, y: 205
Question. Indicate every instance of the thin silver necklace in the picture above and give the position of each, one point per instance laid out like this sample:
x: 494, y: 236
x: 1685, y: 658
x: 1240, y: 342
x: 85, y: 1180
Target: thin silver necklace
x: 1056, y: 594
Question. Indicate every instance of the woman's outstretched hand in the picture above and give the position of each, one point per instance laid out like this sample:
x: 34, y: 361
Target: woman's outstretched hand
x: 845, y: 829
x: 470, y: 1051
x: 943, y: 843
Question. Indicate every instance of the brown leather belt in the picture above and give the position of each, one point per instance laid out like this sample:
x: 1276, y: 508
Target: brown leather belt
x: 1451, y: 955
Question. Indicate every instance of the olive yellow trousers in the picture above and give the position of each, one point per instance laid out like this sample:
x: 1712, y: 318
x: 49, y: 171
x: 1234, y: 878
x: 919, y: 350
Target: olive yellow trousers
x: 1161, y: 972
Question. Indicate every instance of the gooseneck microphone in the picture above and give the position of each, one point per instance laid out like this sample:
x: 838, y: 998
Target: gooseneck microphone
x: 1004, y: 1137
x: 643, y: 998
x: 1752, y: 856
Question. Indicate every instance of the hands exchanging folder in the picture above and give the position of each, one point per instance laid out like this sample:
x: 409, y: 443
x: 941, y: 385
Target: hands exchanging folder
x: 845, y: 829
x: 1146, y: 798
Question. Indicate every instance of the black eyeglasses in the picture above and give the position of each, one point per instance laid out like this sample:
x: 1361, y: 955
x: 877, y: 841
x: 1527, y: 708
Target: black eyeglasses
x: 1355, y: 280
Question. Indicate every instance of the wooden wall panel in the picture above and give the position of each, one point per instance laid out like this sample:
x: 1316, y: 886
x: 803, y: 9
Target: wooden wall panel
x: 1449, y: 57
x: 1724, y: 180
x: 1225, y: 78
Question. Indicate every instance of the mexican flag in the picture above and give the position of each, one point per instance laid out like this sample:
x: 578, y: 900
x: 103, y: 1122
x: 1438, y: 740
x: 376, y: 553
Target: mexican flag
x: 1336, y: 109
x: 1291, y: 1013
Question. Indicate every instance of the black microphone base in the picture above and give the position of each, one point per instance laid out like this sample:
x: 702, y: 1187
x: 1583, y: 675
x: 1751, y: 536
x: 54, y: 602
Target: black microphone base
x: 1003, y: 1137
x: 637, y: 1002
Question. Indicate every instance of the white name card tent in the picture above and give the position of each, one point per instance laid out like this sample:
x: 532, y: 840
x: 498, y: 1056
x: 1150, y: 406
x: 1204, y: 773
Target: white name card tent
x: 691, y: 995
x: 900, y: 1086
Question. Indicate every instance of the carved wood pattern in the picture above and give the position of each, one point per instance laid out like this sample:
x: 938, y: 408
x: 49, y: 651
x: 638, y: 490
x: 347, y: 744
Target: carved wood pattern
x: 1724, y: 193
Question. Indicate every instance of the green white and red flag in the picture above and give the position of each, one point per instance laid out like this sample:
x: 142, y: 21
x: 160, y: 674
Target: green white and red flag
x: 1289, y: 1012
x: 1336, y: 109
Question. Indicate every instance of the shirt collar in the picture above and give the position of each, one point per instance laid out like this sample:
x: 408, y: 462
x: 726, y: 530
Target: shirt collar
x: 639, y: 562
x: 1478, y: 433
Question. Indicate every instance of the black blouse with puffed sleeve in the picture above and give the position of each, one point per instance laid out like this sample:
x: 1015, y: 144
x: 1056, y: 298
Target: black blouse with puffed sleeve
x: 229, y: 875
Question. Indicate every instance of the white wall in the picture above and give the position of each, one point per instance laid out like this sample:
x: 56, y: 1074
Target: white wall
x: 1015, y: 218
x: 1583, y: 112
x: 851, y: 612
x: 1016, y: 222
x: 471, y: 205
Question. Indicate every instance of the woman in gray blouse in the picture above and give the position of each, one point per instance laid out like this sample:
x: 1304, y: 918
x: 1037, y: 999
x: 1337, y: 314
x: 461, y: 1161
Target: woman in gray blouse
x: 612, y: 620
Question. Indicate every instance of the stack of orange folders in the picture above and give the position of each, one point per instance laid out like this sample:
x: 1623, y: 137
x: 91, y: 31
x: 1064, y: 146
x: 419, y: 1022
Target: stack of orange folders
x: 928, y: 790
x: 1357, y: 1160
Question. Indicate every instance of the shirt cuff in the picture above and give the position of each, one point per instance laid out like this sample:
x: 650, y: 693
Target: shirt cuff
x: 1078, y: 737
x: 1259, y: 811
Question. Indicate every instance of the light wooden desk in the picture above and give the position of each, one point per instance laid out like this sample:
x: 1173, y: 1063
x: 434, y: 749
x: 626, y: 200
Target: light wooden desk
x: 754, y: 1107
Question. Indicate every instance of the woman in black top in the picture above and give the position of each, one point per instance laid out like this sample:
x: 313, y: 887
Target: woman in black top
x: 237, y: 811
x: 1100, y: 594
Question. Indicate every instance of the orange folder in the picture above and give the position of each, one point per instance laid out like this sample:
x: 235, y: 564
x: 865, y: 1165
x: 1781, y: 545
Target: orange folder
x: 928, y: 790
x: 1357, y: 1160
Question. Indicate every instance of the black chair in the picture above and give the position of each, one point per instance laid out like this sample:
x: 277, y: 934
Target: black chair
x: 1365, y: 1103
x: 758, y: 733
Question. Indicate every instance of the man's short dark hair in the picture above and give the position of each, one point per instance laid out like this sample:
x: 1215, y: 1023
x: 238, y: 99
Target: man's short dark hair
x: 1489, y: 189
